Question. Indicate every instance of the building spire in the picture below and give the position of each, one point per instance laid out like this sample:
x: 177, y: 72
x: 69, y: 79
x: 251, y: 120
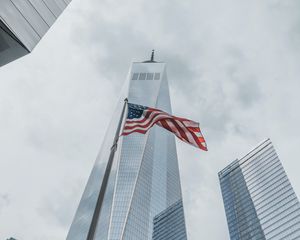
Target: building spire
x: 151, y: 59
x: 152, y: 56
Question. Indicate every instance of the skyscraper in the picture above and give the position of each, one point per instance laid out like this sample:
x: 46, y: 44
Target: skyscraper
x: 144, y: 179
x: 259, y: 200
x: 23, y: 23
x: 169, y: 224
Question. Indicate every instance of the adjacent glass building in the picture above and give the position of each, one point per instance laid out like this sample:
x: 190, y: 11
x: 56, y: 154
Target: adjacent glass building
x: 144, y: 179
x: 23, y: 23
x: 259, y: 201
x: 169, y: 224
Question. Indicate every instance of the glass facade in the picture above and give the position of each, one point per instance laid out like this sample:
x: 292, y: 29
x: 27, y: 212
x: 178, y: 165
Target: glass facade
x: 258, y: 198
x: 23, y: 23
x: 145, y: 176
x: 169, y: 224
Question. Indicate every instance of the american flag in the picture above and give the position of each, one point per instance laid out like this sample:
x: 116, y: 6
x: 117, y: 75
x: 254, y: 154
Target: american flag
x: 140, y: 119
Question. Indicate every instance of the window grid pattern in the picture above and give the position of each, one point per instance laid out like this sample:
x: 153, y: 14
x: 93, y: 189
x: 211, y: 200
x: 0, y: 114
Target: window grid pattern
x: 146, y: 76
x: 169, y: 224
x: 258, y: 183
x: 241, y: 216
x: 153, y: 181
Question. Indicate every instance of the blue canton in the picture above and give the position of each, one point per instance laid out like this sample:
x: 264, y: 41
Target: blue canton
x: 135, y: 111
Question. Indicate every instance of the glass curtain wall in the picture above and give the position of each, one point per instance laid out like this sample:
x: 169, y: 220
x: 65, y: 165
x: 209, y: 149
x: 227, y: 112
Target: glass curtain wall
x: 145, y: 178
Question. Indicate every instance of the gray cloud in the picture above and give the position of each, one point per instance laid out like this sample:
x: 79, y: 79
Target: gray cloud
x: 232, y: 65
x: 4, y: 201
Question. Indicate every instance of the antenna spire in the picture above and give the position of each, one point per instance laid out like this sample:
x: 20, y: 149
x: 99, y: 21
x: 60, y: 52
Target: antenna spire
x: 152, y: 56
x: 151, y: 60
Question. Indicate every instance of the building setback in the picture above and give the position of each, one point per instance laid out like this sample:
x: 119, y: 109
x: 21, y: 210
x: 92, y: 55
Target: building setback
x: 23, y: 23
x: 144, y: 179
x: 169, y: 224
x: 259, y: 200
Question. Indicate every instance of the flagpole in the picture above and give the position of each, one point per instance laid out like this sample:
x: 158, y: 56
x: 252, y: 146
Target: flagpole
x: 100, y: 198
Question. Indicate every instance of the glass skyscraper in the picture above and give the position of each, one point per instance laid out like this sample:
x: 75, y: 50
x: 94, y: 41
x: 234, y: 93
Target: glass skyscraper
x: 23, y: 23
x: 144, y: 179
x: 169, y: 224
x: 260, y: 203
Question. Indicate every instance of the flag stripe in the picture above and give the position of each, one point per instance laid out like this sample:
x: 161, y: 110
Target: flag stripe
x: 140, y: 119
x: 172, y: 128
x: 197, y: 140
x: 188, y: 134
x: 181, y: 131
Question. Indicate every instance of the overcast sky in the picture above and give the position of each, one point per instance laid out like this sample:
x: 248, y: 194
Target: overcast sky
x: 232, y: 65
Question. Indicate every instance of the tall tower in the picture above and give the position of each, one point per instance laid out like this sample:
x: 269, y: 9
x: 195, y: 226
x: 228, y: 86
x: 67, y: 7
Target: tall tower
x: 259, y: 200
x: 23, y: 23
x: 144, y: 179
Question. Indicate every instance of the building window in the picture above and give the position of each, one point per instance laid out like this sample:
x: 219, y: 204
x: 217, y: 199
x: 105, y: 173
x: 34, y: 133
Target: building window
x: 149, y: 76
x: 142, y: 76
x: 157, y: 76
x: 135, y: 76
